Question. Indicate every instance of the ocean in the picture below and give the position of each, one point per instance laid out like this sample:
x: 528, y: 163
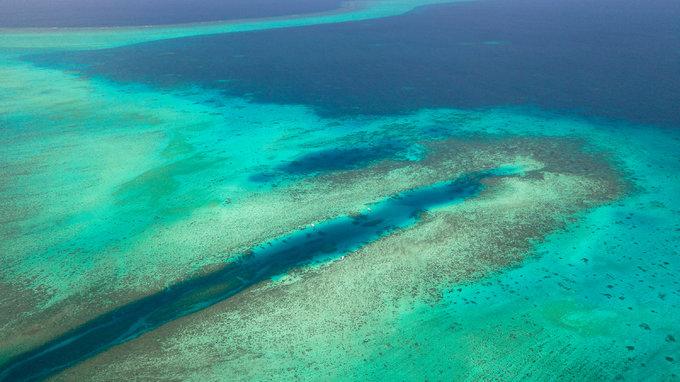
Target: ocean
x: 321, y: 190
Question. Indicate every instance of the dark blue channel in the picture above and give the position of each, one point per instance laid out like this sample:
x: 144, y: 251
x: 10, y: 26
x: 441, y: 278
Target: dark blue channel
x: 329, y: 160
x: 324, y: 242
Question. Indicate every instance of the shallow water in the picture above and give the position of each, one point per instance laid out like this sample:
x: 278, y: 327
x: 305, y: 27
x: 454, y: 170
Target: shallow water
x: 323, y: 242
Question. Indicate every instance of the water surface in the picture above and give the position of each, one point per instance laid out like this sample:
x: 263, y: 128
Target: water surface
x: 110, y: 13
x: 604, y: 58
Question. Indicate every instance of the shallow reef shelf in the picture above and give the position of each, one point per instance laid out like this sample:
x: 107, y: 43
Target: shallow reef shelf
x: 319, y: 243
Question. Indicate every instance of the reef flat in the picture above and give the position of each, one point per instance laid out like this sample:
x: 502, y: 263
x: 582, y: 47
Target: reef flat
x: 325, y: 241
x: 345, y: 307
x: 118, y: 187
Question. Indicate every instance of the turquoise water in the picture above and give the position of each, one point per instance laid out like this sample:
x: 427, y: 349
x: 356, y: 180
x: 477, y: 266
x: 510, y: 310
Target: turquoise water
x: 323, y: 242
x: 140, y: 181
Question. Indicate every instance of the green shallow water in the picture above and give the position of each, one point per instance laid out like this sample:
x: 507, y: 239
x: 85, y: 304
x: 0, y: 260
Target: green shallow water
x: 317, y: 244
x: 592, y: 303
x: 110, y: 192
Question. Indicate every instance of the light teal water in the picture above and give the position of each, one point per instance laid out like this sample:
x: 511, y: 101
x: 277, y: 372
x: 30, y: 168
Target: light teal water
x: 318, y: 244
x: 594, y: 302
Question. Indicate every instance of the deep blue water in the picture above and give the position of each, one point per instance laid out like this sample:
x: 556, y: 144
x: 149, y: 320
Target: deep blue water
x: 327, y: 240
x: 104, y: 13
x: 606, y: 58
x: 338, y: 159
x: 329, y: 160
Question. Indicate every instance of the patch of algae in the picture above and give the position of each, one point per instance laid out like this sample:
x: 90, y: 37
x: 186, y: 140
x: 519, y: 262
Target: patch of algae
x: 97, y: 38
x: 315, y: 322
